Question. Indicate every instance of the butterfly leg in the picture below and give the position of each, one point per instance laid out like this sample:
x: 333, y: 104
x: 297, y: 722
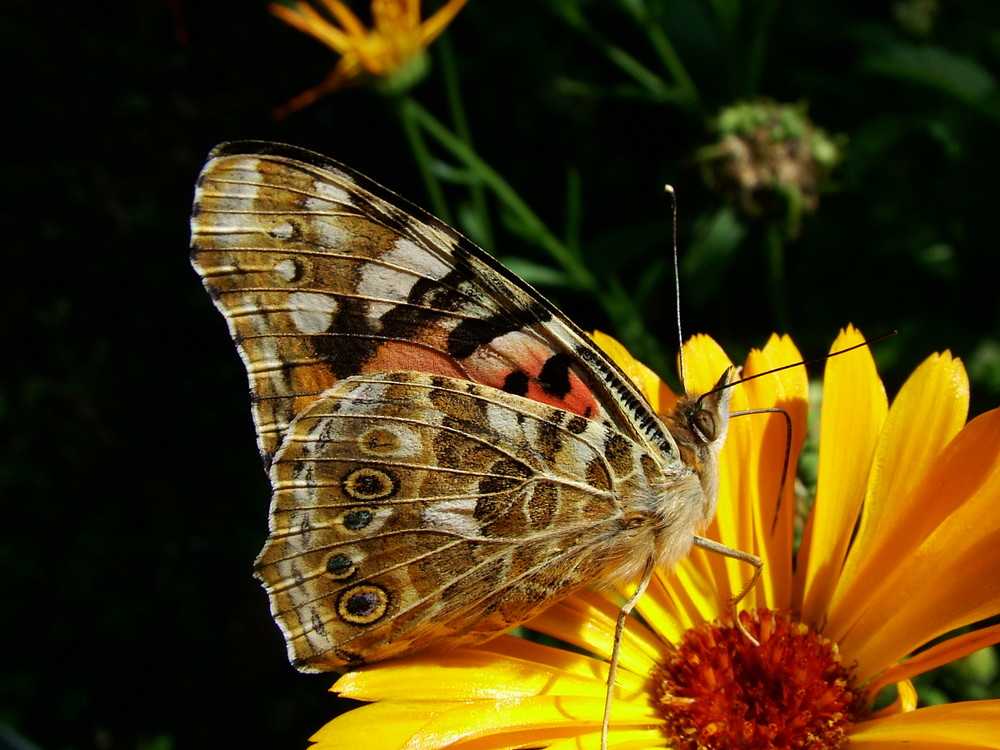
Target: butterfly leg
x: 616, y: 647
x: 735, y: 554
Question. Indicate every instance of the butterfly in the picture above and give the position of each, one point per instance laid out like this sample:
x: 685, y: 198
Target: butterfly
x: 449, y: 454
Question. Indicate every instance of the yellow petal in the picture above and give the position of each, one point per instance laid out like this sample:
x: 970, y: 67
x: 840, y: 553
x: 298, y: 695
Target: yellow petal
x: 386, y: 726
x: 704, y: 363
x: 959, y: 725
x: 464, y: 674
x: 906, y: 700
x: 679, y: 600
x: 304, y: 18
x: 750, y: 474
x: 938, y: 655
x: 560, y: 658
x: 854, y: 409
x: 395, y: 725
x: 773, y: 442
x: 618, y: 739
x: 929, y: 410
x: 434, y: 25
x: 950, y: 579
x: 587, y: 620
x: 526, y: 722
x: 345, y: 16
x: 630, y: 684
x: 908, y: 697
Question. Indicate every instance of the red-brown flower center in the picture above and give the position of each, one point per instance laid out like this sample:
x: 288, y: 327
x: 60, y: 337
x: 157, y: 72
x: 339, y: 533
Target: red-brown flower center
x: 717, y: 690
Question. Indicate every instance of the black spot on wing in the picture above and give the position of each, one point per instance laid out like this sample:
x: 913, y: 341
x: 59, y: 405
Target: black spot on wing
x: 473, y: 333
x: 347, y: 353
x: 618, y: 452
x: 554, y: 377
x: 516, y: 383
x: 548, y: 440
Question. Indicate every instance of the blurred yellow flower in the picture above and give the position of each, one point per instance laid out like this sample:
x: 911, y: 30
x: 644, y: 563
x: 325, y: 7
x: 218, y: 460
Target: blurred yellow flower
x: 901, y: 548
x: 393, y: 50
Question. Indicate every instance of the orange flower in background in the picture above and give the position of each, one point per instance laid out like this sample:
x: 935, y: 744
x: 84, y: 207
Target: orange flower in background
x: 901, y: 548
x: 392, y: 50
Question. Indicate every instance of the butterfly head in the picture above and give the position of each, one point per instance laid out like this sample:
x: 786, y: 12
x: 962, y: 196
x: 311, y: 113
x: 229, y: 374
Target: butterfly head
x: 698, y: 425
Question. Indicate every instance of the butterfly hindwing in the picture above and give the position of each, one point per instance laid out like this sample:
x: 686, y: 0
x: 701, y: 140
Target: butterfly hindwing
x: 413, y: 509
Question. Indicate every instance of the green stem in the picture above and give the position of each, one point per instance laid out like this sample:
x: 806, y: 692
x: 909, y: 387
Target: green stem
x: 758, y: 45
x: 425, y: 162
x: 578, y: 273
x: 457, y: 110
x: 646, y: 78
x: 672, y: 61
x: 653, y: 84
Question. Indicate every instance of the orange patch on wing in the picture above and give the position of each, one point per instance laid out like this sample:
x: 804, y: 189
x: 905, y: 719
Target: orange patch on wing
x: 517, y: 351
x: 580, y: 399
x: 403, y: 355
x: 310, y: 381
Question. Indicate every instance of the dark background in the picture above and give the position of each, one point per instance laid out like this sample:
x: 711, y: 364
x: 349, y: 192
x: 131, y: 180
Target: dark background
x: 133, y: 502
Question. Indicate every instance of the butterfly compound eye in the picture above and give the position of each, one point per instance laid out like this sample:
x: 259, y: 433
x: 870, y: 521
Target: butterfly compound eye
x: 705, y: 425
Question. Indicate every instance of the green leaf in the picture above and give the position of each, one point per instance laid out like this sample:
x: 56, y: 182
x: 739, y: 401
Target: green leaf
x: 941, y: 69
x: 536, y: 274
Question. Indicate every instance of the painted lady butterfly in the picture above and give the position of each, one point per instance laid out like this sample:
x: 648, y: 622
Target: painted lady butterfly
x: 449, y: 454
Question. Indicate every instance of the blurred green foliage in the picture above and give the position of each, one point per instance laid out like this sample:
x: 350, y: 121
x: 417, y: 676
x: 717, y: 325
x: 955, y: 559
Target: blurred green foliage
x: 133, y: 503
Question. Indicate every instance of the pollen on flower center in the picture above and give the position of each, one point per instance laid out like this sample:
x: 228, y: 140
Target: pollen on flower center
x: 718, y: 690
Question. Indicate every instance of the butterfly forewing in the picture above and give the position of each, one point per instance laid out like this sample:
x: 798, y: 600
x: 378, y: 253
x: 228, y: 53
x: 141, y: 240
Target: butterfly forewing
x: 322, y: 275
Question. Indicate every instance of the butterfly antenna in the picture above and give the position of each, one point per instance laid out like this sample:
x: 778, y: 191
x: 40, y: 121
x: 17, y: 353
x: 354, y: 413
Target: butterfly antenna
x: 669, y: 190
x: 814, y: 360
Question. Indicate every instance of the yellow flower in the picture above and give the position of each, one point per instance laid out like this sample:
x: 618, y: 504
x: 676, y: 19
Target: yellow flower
x: 392, y: 50
x: 900, y: 549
